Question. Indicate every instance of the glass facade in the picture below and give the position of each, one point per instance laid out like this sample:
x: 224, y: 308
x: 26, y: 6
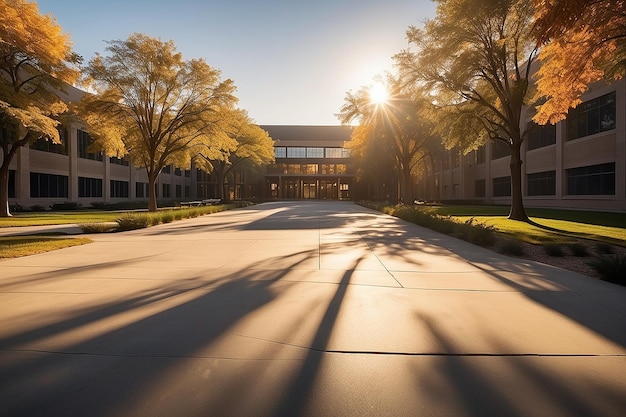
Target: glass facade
x: 590, y: 117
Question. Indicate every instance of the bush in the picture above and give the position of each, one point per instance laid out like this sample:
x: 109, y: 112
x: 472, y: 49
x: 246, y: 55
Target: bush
x: 604, y: 249
x: 97, y: 227
x: 68, y: 205
x: 512, y: 247
x: 578, y: 250
x: 478, y: 233
x: 37, y: 207
x: 611, y: 268
x: 553, y: 250
x: 167, y: 216
x: 133, y: 222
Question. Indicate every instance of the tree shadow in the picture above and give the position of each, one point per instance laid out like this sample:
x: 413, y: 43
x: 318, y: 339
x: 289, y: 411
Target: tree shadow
x: 492, y: 384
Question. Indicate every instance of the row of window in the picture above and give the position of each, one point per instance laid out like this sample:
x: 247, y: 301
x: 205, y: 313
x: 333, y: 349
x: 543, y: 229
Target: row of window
x: 56, y: 186
x: 310, y: 152
x: 308, y: 169
x: 591, y: 117
x: 589, y: 180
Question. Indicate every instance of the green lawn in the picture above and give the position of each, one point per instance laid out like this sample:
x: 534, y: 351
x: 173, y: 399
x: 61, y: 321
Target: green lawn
x: 59, y: 217
x: 16, y: 246
x: 551, y: 225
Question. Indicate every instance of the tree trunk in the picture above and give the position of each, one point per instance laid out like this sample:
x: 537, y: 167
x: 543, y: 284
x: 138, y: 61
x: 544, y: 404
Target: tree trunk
x: 517, y: 202
x: 4, y: 188
x: 152, y: 201
x: 407, y: 192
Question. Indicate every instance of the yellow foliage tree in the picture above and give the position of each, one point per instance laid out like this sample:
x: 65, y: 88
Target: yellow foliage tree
x: 36, y: 63
x: 475, y: 58
x: 583, y: 42
x: 251, y: 147
x: 390, y: 133
x: 154, y: 106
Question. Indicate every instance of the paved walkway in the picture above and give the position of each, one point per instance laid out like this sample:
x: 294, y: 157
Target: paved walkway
x: 304, y: 309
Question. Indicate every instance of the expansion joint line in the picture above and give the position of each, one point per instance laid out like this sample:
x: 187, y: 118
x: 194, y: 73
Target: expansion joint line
x: 379, y: 260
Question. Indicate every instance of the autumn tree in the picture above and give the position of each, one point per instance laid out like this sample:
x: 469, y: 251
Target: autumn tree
x: 583, y: 41
x: 475, y: 58
x: 154, y: 106
x: 248, y: 146
x: 36, y: 60
x: 391, y: 131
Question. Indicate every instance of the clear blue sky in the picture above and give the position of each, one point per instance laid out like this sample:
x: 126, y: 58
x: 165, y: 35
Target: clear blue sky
x: 291, y: 60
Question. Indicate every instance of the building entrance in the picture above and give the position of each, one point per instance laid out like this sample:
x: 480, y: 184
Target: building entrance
x: 309, y: 189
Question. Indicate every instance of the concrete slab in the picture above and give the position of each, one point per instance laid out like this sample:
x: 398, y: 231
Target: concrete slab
x: 304, y: 309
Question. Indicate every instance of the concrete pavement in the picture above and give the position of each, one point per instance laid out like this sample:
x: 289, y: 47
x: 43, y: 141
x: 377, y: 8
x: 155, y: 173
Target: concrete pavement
x: 304, y: 309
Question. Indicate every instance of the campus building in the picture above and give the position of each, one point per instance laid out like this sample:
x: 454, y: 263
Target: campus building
x: 579, y: 163
x: 312, y: 162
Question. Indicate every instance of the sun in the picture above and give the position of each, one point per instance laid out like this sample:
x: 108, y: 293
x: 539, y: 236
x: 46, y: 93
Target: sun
x: 378, y: 94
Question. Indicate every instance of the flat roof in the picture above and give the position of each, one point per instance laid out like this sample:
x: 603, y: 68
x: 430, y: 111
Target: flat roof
x: 304, y: 135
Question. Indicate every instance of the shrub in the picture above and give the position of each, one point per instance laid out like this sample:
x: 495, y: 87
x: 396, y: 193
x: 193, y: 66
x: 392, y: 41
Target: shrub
x: 512, y: 247
x: 97, y: 227
x: 153, y: 218
x: 167, y: 216
x: 133, y: 221
x: 611, y: 268
x: 553, y: 250
x: 478, y: 233
x: 37, y: 207
x: 604, y: 249
x: 578, y: 250
x: 68, y: 205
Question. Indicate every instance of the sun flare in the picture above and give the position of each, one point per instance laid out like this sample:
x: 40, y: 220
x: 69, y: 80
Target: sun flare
x: 378, y: 94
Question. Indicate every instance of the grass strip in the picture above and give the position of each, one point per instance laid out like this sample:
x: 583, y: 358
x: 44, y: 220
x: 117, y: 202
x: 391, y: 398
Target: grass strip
x: 16, y: 246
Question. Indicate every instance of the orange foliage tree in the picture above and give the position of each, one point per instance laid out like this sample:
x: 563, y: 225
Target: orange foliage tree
x: 36, y: 62
x: 583, y: 41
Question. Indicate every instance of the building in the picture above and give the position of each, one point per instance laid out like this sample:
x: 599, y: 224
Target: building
x: 312, y: 162
x: 579, y: 163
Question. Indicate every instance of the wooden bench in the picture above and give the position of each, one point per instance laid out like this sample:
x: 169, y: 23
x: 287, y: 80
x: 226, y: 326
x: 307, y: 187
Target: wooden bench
x: 198, y: 203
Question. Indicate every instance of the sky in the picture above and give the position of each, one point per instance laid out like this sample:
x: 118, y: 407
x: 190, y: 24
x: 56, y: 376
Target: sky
x: 292, y: 61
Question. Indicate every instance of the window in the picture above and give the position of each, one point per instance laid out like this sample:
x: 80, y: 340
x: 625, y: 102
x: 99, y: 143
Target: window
x: 337, y: 153
x: 540, y: 136
x: 499, y: 149
x: 89, y: 187
x: 187, y: 173
x: 48, y: 185
x: 46, y: 145
x: 296, y: 152
x: 480, y: 188
x: 280, y: 152
x: 502, y: 187
x: 187, y: 191
x: 542, y: 183
x: 593, y: 116
x: 591, y: 180
x: 118, y: 161
x: 456, y: 157
x: 141, y: 189
x: 11, y: 193
x: 479, y: 155
x: 119, y: 189
x: 310, y: 168
x: 166, y: 191
x: 177, y: 172
x: 179, y: 191
x: 314, y: 152
x: 167, y: 169
x: 84, y: 141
